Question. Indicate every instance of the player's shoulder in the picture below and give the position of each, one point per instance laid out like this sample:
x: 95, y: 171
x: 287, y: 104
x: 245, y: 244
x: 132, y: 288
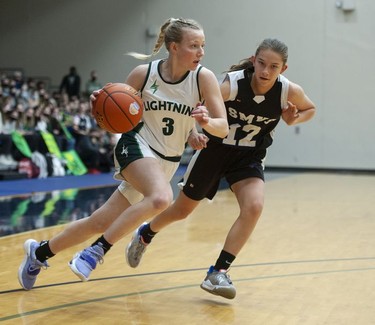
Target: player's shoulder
x: 205, y: 75
x: 142, y: 68
x: 137, y: 76
x: 203, y: 71
x: 295, y: 88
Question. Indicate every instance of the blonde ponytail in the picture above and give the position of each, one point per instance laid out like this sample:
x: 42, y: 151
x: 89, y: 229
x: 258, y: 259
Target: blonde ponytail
x: 170, y: 31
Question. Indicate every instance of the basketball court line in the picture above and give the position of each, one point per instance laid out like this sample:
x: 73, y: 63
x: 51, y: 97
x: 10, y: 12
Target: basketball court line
x: 348, y: 259
x: 163, y: 289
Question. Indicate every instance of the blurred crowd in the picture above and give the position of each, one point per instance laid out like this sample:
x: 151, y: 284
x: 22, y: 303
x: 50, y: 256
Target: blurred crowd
x: 28, y: 108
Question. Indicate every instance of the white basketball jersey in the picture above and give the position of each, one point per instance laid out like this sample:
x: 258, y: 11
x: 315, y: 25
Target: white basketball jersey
x: 167, y: 109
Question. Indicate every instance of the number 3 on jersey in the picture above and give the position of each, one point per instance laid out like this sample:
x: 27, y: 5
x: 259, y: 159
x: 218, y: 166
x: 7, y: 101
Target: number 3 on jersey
x: 168, y: 128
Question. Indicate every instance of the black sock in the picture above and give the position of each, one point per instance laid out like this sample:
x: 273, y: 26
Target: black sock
x: 147, y: 234
x: 103, y: 243
x: 43, y: 252
x: 224, y: 261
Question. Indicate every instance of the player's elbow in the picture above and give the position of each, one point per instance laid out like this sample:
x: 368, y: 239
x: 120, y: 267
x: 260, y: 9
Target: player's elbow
x: 224, y: 130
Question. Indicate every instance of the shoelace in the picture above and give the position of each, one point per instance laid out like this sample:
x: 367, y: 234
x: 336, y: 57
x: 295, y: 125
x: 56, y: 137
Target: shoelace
x: 36, y: 266
x: 96, y: 254
x: 223, y: 276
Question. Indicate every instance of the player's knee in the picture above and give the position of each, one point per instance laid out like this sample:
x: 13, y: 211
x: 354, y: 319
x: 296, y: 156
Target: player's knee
x: 161, y: 201
x: 254, y: 208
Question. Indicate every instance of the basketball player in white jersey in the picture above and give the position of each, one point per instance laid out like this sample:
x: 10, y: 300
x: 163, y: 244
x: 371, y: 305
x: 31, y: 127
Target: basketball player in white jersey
x: 256, y: 97
x: 146, y: 158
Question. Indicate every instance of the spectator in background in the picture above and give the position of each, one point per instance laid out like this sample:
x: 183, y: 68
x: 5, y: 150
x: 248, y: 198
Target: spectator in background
x: 64, y: 141
x: 41, y: 87
x: 81, y: 130
x: 5, y: 86
x: 32, y: 93
x: 71, y: 84
x: 92, y: 84
x: 10, y: 120
x: 90, y: 152
x: 28, y: 121
x: 6, y: 160
x: 82, y: 123
x: 104, y: 144
x: 18, y: 79
x: 8, y: 124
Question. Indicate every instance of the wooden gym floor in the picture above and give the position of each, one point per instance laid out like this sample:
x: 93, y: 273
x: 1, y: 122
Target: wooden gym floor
x: 311, y: 260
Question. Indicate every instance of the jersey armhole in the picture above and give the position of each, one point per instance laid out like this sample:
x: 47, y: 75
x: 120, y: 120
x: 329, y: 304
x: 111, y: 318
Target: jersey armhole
x: 199, y: 91
x: 147, y: 75
x: 284, y: 91
x: 233, y: 85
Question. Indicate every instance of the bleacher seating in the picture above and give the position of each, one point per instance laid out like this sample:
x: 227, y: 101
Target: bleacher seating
x: 43, y: 133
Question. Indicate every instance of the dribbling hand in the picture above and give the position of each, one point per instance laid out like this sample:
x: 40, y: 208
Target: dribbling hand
x: 95, y: 94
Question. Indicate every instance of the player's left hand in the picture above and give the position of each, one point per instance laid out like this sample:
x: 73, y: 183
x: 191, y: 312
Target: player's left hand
x: 290, y: 114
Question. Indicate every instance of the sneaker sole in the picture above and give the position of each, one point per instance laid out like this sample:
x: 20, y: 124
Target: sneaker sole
x: 76, y: 272
x: 217, y: 291
x: 135, y: 233
x: 26, y: 249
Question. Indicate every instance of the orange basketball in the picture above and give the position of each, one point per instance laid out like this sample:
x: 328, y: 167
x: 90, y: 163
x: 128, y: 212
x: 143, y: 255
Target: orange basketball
x: 118, y: 108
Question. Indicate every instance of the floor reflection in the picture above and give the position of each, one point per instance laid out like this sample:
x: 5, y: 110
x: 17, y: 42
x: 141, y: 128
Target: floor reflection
x: 43, y: 209
x: 29, y: 212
